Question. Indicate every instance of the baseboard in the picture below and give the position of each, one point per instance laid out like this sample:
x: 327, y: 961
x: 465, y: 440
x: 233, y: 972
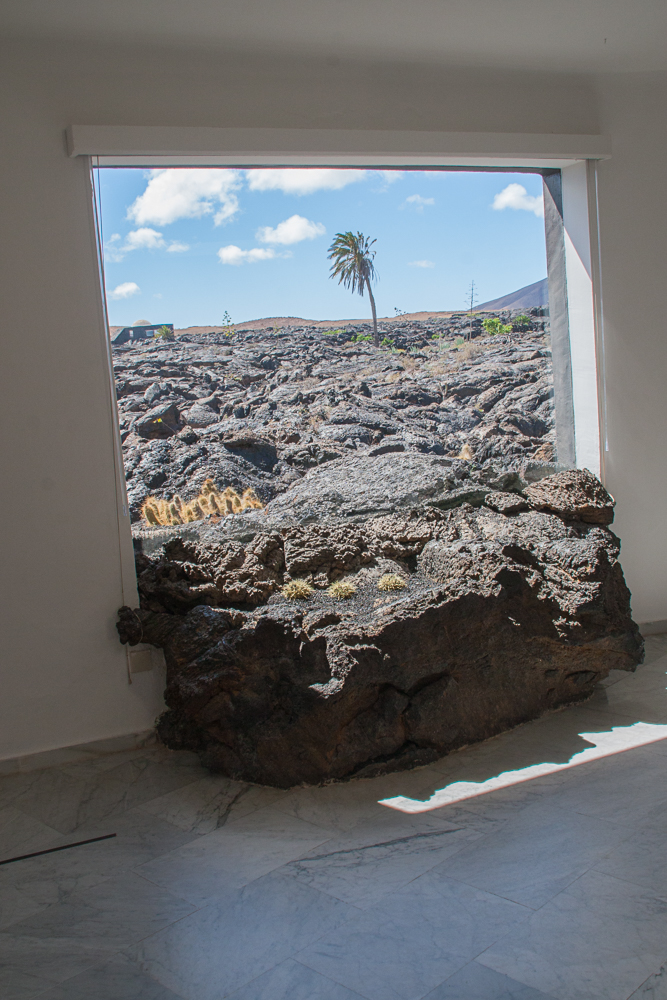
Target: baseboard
x: 653, y: 628
x: 79, y: 752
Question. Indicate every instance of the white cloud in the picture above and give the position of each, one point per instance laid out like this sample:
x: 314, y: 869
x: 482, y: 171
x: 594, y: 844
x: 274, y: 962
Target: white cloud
x: 390, y: 176
x: 234, y: 255
x: 125, y: 290
x: 418, y: 202
x: 516, y: 196
x: 421, y: 263
x: 140, y: 239
x: 144, y: 239
x: 187, y: 194
x: 303, y: 180
x: 292, y: 230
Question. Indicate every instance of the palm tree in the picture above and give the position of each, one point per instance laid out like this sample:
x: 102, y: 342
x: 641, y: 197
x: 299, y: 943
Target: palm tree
x: 353, y: 266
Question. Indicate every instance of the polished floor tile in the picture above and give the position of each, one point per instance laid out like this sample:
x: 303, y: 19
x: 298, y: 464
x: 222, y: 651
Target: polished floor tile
x: 292, y: 981
x: 599, y: 939
x: 372, y: 860
x: 538, y: 876
x: 66, y: 803
x: 63, y: 940
x: 118, y: 979
x: 224, y: 946
x: 476, y: 982
x: 413, y: 939
x: 205, y: 805
x: 52, y: 878
x: 655, y: 987
x: 535, y: 856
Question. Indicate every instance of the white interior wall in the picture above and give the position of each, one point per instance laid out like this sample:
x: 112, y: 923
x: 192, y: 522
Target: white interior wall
x: 64, y: 678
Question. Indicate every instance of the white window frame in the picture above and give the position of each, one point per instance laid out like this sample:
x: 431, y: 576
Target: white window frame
x: 570, y: 209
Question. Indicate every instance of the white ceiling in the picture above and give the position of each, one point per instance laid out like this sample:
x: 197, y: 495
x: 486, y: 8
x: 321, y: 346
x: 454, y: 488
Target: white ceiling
x: 571, y: 35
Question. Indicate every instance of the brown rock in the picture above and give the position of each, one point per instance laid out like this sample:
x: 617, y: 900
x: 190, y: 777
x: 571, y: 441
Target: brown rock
x: 575, y: 494
x: 503, y: 618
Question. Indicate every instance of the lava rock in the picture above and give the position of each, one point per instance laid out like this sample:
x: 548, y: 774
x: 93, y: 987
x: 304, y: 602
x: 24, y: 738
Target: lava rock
x: 575, y: 494
x: 503, y: 617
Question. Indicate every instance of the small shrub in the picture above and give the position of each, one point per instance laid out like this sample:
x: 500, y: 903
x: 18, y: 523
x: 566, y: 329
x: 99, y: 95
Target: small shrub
x: 386, y: 342
x: 466, y: 453
x: 357, y: 338
x: 210, y: 502
x: 227, y: 325
x: 522, y: 322
x: 470, y: 351
x: 341, y: 590
x: 297, y: 590
x: 495, y: 327
x: 459, y: 342
x: 164, y: 333
x: 391, y: 581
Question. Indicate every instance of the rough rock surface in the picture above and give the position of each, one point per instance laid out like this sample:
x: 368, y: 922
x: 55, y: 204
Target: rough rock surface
x: 507, y: 611
x: 262, y: 407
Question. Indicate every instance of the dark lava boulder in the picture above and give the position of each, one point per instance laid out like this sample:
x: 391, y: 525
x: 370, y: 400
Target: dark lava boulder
x: 504, y: 614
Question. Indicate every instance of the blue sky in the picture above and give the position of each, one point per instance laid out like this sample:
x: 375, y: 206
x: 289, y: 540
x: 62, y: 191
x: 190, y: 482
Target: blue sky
x: 184, y: 246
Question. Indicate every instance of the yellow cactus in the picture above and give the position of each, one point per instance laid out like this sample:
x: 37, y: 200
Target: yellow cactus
x: 391, y: 581
x: 297, y: 590
x: 209, y: 502
x: 341, y: 590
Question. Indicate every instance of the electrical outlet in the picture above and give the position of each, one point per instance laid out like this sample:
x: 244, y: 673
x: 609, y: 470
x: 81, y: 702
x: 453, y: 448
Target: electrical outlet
x: 140, y: 660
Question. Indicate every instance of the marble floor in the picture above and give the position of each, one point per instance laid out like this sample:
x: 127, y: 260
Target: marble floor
x: 530, y: 867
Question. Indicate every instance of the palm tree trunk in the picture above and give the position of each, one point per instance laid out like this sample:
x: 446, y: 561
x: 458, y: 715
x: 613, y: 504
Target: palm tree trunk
x: 376, y: 338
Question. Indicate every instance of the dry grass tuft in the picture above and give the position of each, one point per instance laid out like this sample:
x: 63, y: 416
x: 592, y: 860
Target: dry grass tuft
x: 391, y: 581
x: 341, y: 590
x: 210, y: 502
x: 466, y: 453
x: 297, y: 590
x: 470, y: 351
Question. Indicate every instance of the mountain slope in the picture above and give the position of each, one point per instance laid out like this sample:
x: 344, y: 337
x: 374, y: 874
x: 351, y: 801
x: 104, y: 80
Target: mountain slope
x: 528, y: 297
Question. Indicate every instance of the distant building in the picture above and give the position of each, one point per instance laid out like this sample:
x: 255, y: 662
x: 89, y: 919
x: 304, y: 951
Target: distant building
x: 126, y: 333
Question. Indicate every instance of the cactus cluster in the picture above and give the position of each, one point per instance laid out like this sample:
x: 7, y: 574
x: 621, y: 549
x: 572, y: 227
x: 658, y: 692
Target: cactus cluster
x: 297, y: 590
x: 391, y: 581
x: 210, y: 502
x: 342, y: 590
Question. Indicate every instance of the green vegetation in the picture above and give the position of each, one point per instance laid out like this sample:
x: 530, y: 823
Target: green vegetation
x: 357, y: 338
x: 227, y: 325
x: 522, y: 322
x: 459, y: 342
x: 495, y: 326
x: 386, y: 342
x: 352, y: 258
x: 333, y: 333
x: 165, y: 333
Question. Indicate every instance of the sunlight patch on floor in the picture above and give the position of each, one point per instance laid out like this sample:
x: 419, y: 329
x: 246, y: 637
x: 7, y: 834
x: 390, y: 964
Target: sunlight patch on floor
x: 617, y: 740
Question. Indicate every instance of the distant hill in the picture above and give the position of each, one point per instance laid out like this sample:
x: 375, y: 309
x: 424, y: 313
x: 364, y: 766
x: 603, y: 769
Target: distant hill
x: 529, y: 297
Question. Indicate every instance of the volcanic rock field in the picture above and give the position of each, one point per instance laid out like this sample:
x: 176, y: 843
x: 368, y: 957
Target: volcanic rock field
x: 261, y: 408
x: 417, y: 573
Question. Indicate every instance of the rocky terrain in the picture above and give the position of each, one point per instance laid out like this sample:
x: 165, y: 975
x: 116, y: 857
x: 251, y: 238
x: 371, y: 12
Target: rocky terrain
x: 415, y: 575
x: 323, y: 641
x: 260, y: 408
